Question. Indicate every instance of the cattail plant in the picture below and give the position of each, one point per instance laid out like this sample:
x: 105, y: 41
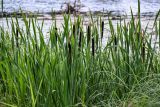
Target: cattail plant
x: 80, y: 40
x: 102, y: 29
x: 93, y: 47
x: 62, y: 74
x: 56, y: 34
x: 115, y: 43
x: 69, y: 52
x: 16, y: 37
x: 88, y: 35
x: 143, y: 46
x: 74, y: 30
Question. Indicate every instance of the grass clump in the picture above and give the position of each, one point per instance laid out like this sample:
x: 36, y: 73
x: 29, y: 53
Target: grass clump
x: 73, y: 69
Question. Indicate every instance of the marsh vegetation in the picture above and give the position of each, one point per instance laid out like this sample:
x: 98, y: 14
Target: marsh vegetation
x: 73, y: 68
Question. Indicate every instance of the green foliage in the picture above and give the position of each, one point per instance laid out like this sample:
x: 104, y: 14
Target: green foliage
x: 73, y: 69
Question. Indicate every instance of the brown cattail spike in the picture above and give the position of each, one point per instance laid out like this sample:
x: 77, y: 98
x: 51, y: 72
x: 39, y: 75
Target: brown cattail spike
x: 143, y: 47
x: 115, y: 43
x: 93, y: 46
x: 69, y: 53
x: 17, y: 38
x: 102, y: 30
x: 80, y: 39
x: 88, y: 35
x: 56, y: 36
x: 74, y: 30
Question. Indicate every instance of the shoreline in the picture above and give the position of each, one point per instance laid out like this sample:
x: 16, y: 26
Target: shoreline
x: 94, y: 13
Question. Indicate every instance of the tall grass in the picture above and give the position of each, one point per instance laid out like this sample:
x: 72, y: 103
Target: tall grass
x: 73, y: 69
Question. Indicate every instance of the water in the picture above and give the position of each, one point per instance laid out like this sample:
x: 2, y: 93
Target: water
x: 117, y: 6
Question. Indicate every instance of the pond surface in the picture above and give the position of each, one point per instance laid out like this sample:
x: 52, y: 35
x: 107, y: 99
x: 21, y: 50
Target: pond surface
x: 117, y: 6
